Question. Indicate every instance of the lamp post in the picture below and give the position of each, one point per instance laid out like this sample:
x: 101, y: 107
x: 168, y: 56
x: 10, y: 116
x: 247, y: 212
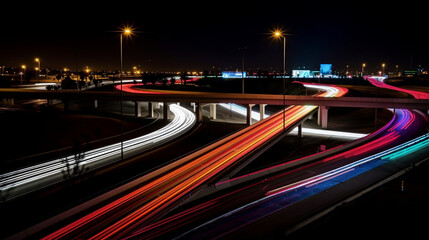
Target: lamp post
x: 38, y: 61
x: 384, y: 68
x: 23, y: 67
x: 363, y: 69
x: 126, y: 32
x: 279, y: 34
x: 242, y: 68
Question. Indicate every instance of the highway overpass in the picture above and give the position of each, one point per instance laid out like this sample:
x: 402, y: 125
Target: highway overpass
x: 200, y: 98
x: 207, y: 97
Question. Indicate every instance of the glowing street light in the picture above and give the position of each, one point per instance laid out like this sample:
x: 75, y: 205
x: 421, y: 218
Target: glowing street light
x: 126, y: 32
x: 23, y: 67
x: 37, y: 60
x: 363, y: 69
x: 383, y: 65
x: 279, y: 34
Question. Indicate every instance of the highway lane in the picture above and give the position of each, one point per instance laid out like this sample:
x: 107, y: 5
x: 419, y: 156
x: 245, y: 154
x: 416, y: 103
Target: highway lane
x: 258, y: 200
x: 252, y: 202
x: 33, y: 177
x: 379, y: 81
x: 159, y: 195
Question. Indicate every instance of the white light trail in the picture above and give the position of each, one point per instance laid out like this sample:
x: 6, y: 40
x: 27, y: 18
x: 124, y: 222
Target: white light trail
x: 182, y: 122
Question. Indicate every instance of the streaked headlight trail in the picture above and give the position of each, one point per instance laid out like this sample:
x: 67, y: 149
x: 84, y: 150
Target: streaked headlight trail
x: 283, y: 190
x: 52, y: 170
x: 156, y: 197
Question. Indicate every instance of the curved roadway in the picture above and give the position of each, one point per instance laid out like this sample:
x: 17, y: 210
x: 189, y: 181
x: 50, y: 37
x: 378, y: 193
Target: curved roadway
x: 27, y: 179
x: 181, y: 179
x: 256, y: 201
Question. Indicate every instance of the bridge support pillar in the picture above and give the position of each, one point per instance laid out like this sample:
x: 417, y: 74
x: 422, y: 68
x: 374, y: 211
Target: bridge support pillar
x: 49, y: 102
x: 9, y: 101
x: 66, y: 105
x: 149, y: 109
x: 95, y: 103
x: 193, y: 105
x: 322, y: 117
x: 300, y: 130
x: 137, y: 109
x: 262, y: 111
x: 249, y: 114
x: 198, y: 112
x: 165, y: 111
x: 213, y: 111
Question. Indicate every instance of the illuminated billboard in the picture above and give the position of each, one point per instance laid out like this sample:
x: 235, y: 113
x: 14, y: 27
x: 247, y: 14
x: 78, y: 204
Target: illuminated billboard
x: 325, y: 69
x: 233, y: 74
x: 301, y: 73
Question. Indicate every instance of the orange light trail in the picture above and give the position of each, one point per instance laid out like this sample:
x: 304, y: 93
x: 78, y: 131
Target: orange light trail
x: 144, y: 204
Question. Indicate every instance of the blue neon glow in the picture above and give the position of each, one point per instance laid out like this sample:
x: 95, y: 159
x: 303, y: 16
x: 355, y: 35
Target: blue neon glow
x: 409, y: 149
x: 233, y: 74
x: 325, y: 69
x: 301, y: 73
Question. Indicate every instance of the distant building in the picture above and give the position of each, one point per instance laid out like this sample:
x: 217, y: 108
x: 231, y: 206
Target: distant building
x: 325, y: 69
x: 301, y: 73
x: 409, y: 73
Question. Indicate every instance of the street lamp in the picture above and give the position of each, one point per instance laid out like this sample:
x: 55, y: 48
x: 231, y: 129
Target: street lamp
x: 38, y: 61
x: 126, y: 32
x: 279, y: 34
x: 23, y: 67
x: 384, y: 68
x: 363, y: 68
x: 242, y: 68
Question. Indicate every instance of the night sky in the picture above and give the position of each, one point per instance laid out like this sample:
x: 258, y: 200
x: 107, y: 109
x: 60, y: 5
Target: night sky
x: 200, y: 36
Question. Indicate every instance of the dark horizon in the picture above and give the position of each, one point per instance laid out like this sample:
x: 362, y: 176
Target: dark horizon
x: 196, y: 38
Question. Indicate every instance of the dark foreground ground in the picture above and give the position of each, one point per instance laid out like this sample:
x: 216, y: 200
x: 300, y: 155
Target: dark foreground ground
x: 397, y: 209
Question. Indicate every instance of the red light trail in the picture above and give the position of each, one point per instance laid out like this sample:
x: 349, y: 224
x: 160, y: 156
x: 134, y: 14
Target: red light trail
x: 247, y: 204
x: 157, y: 196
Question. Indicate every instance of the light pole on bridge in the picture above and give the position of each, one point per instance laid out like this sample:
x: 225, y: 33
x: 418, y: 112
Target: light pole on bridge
x: 126, y: 32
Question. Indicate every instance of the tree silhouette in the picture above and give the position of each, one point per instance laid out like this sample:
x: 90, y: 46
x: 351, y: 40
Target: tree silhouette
x: 183, y: 77
x: 73, y: 168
